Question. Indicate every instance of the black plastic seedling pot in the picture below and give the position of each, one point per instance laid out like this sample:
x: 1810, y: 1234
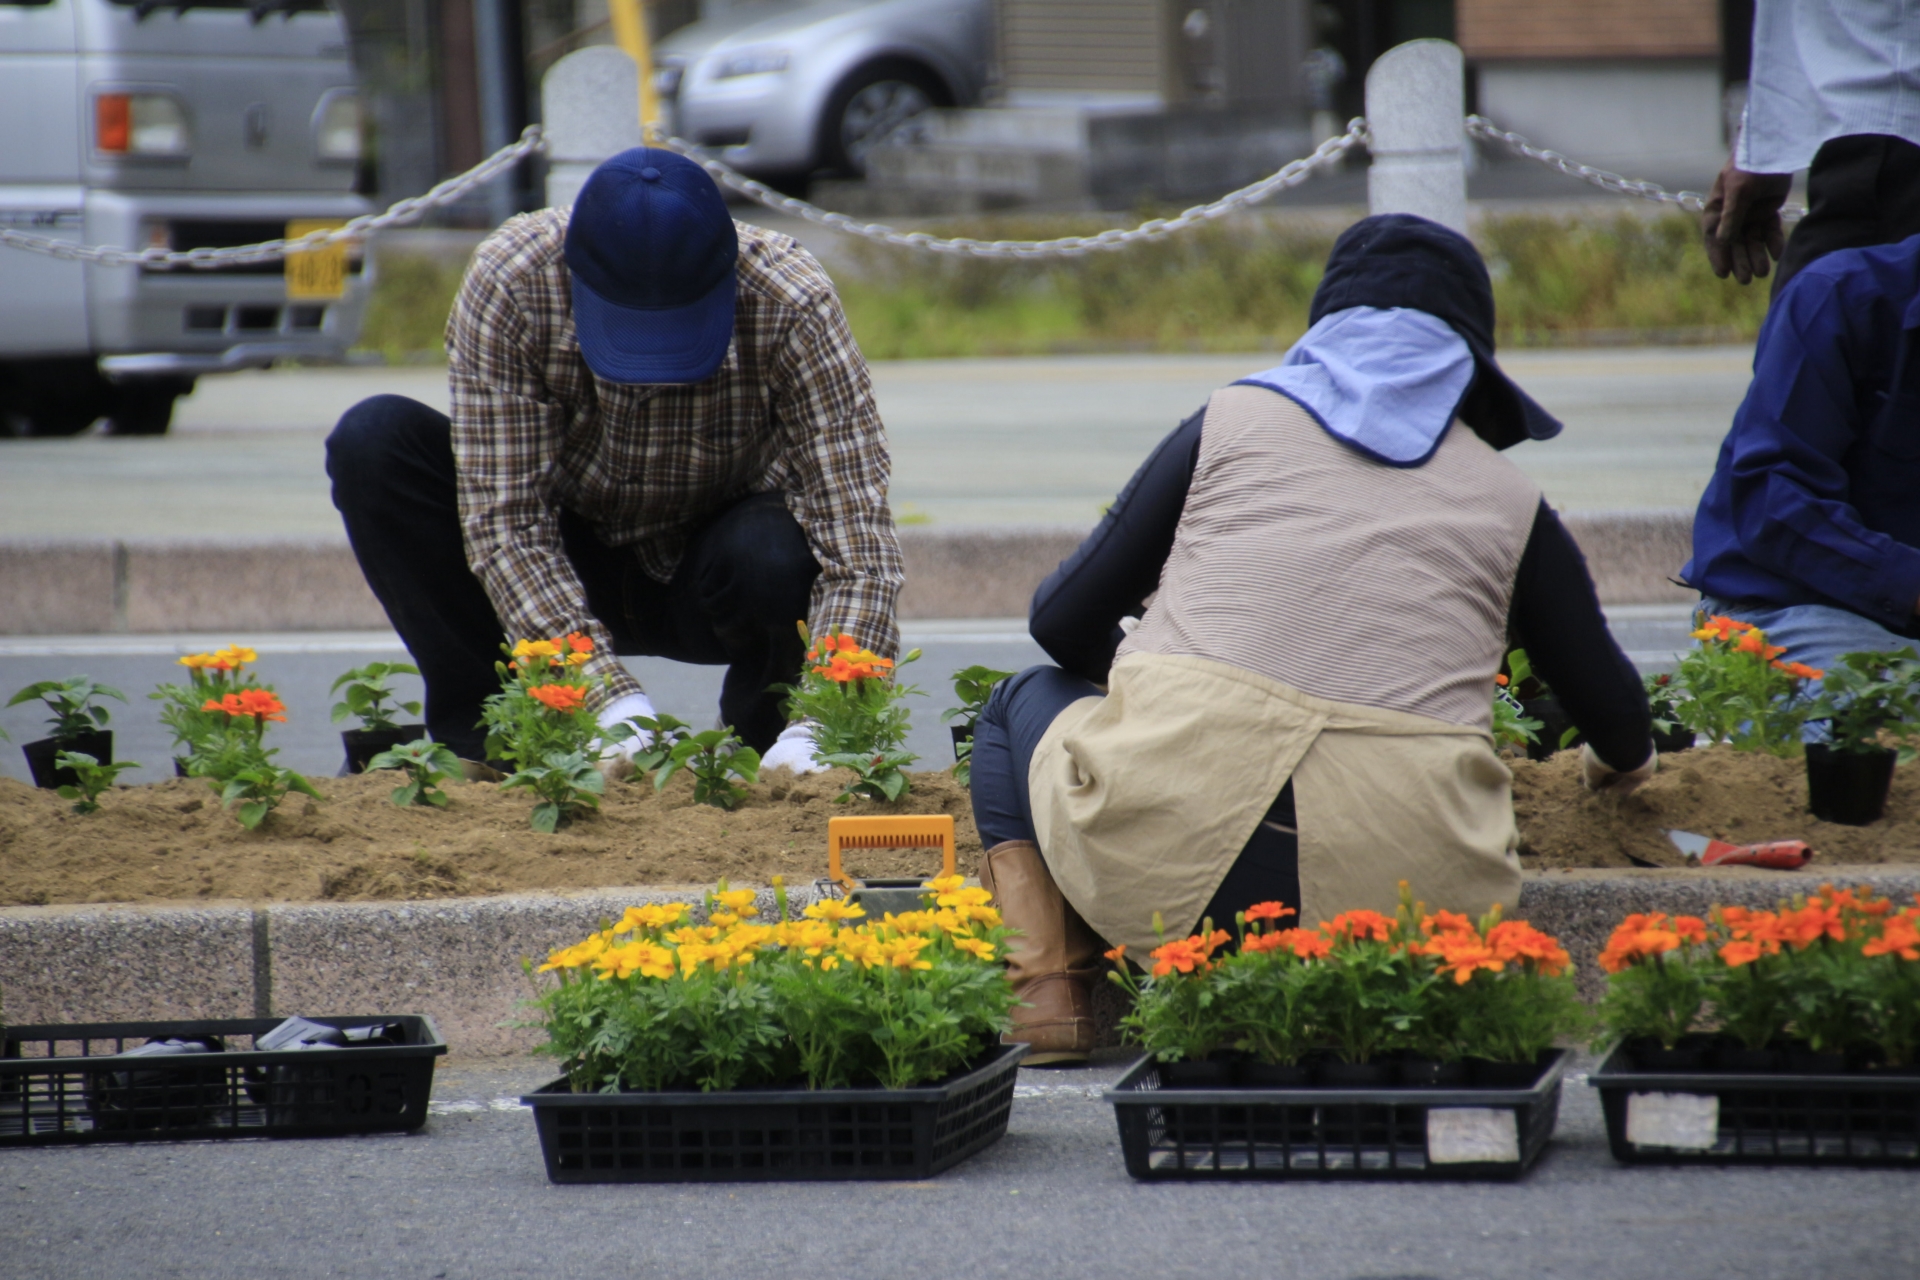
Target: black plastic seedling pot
x: 40, y: 756
x: 961, y: 734
x: 1758, y: 1107
x: 776, y: 1135
x: 77, y: 1082
x: 364, y: 744
x: 1227, y: 1132
x: 1849, y: 786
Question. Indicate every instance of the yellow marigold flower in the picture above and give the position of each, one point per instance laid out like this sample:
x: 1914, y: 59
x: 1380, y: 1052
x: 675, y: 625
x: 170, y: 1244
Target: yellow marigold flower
x: 738, y: 901
x: 652, y: 916
x: 693, y: 933
x: 945, y: 884
x: 725, y: 919
x: 579, y: 659
x: 834, y: 909
x: 964, y: 897
x: 237, y: 655
x: 691, y: 955
x: 536, y: 649
x: 577, y: 956
x: 904, y: 953
x: 911, y: 922
x: 975, y: 947
x: 987, y: 916
x: 198, y: 661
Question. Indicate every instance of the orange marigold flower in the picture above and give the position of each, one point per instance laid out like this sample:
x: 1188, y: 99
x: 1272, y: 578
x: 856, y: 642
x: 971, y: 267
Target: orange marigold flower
x: 1360, y: 925
x: 1518, y: 940
x: 1799, y: 670
x: 1463, y: 955
x: 1255, y: 943
x: 1898, y: 936
x: 1304, y: 943
x: 578, y: 642
x: 1641, y: 936
x: 1717, y: 627
x: 1807, y: 925
x: 1500, y: 679
x: 1690, y: 928
x: 560, y: 697
x: 1118, y: 954
x: 249, y: 702
x: 1755, y: 642
x: 1446, y: 922
x: 1735, y: 954
x: 1269, y: 911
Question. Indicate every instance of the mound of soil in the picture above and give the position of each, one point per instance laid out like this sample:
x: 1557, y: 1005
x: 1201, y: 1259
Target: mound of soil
x: 171, y: 841
x: 1741, y: 797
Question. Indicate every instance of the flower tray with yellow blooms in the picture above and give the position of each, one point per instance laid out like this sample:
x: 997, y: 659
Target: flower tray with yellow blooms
x: 1408, y: 1046
x: 818, y: 1047
x: 1789, y: 1036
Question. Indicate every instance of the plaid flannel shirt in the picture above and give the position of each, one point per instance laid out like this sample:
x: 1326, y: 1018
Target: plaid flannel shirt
x: 534, y: 431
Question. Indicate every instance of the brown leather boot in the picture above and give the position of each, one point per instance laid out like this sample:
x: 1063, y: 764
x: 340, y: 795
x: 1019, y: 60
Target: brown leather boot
x: 1054, y: 961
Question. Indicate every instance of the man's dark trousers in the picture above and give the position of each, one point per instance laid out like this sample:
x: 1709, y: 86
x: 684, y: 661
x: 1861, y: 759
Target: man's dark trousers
x: 744, y: 581
x: 1863, y: 190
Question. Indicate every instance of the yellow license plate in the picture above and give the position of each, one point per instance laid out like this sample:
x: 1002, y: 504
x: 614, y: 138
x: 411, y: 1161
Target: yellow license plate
x: 316, y: 273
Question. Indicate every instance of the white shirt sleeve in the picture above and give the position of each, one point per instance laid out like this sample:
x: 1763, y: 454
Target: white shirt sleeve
x: 1825, y: 69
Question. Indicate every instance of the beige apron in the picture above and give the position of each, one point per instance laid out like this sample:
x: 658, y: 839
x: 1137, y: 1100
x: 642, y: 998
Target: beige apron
x: 1143, y: 799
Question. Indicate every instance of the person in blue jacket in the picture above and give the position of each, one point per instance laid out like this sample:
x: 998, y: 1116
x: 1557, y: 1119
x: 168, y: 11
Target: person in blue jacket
x: 1810, y: 527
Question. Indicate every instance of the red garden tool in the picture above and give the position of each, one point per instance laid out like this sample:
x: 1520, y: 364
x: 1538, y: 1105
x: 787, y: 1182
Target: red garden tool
x: 1703, y: 851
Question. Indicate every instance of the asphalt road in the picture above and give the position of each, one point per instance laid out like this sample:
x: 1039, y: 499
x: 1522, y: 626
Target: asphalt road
x: 467, y: 1197
x: 1028, y: 441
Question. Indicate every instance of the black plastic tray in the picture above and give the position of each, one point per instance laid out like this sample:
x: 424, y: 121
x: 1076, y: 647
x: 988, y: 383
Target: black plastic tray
x: 1319, y: 1133
x: 1858, y: 1118
x: 59, y: 1083
x: 775, y: 1135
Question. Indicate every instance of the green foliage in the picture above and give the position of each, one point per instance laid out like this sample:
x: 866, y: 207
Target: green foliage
x: 1663, y: 697
x: 668, y: 733
x: 566, y: 782
x: 367, y: 694
x: 1512, y: 726
x: 1866, y: 695
x: 973, y: 686
x: 651, y: 1002
x: 714, y: 758
x: 407, y: 315
x: 878, y: 775
x: 92, y: 777
x: 258, y: 787
x: 1738, y: 691
x: 72, y: 702
x: 427, y: 764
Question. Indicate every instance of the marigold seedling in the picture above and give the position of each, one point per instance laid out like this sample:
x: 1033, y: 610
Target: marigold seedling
x: 93, y: 778
x: 73, y: 703
x: 427, y: 765
x: 368, y: 692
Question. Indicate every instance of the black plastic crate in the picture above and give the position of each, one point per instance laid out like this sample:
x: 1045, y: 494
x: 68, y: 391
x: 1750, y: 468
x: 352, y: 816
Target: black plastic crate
x: 1716, y: 1117
x: 1245, y: 1132
x: 775, y: 1135
x: 62, y: 1083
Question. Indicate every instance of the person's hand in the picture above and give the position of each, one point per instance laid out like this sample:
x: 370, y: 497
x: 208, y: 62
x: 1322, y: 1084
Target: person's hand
x: 1597, y: 775
x: 793, y: 749
x: 1741, y: 222
x: 619, y: 711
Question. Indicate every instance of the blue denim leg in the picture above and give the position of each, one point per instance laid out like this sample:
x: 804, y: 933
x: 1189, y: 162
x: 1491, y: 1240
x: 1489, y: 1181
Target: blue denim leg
x: 1815, y: 634
x: 1008, y: 730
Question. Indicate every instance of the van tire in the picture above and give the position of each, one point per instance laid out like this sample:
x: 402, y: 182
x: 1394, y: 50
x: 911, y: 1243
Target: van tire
x: 58, y: 396
x: 145, y: 407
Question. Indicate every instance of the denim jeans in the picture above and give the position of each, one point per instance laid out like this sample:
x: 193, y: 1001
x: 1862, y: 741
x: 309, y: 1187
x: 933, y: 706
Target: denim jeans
x: 1008, y: 731
x: 1815, y: 634
x: 746, y: 577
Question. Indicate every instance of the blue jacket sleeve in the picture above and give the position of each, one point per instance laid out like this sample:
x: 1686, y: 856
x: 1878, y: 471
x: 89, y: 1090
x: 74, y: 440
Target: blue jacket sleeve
x: 1788, y: 458
x: 1076, y: 612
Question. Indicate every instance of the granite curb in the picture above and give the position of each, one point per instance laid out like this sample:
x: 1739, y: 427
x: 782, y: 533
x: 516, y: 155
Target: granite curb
x: 459, y: 960
x: 82, y: 588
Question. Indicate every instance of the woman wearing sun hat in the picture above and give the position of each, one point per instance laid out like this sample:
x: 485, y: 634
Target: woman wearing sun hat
x: 1336, y: 557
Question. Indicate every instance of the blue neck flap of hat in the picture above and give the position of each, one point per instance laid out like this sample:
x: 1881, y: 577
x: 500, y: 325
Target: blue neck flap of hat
x: 1384, y: 382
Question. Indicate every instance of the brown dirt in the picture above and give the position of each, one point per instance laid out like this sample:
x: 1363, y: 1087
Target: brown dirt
x: 171, y: 841
x: 1740, y: 797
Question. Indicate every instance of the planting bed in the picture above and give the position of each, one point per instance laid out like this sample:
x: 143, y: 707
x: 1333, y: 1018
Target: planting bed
x: 171, y: 841
x: 1740, y: 797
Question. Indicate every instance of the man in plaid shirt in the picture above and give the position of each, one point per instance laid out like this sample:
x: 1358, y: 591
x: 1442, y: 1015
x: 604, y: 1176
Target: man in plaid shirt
x: 663, y: 436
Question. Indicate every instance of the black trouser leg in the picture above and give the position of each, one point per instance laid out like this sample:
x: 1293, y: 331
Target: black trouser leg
x: 745, y: 579
x: 391, y: 462
x: 1862, y: 190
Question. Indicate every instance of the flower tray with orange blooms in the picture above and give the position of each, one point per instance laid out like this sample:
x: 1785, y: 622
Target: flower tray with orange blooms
x: 1789, y: 1036
x: 1414, y: 1045
x: 822, y: 1046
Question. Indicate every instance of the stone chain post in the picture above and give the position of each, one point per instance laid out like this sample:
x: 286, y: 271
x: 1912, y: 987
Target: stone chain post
x: 1416, y: 109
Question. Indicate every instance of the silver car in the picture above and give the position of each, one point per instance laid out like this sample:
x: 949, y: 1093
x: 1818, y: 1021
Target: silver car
x: 787, y: 87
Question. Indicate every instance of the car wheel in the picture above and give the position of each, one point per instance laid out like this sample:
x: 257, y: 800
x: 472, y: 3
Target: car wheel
x: 53, y: 397
x: 870, y: 104
x: 145, y: 407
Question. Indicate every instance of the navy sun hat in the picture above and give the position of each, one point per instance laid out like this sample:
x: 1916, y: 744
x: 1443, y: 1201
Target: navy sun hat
x: 652, y: 250
x: 1399, y: 260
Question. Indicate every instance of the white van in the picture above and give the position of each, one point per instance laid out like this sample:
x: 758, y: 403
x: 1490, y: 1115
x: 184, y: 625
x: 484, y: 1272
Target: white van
x: 177, y: 123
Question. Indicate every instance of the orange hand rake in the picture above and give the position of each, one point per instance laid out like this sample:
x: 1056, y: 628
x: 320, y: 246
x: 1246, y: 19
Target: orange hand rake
x: 907, y: 831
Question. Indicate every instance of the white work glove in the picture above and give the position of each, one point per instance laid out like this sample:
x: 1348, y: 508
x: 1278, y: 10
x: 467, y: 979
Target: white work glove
x: 1597, y: 775
x: 623, y: 708
x: 793, y: 749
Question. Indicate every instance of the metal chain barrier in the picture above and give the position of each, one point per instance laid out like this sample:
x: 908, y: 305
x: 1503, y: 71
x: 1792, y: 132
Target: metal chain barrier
x: 414, y: 207
x: 1692, y: 201
x: 1290, y: 175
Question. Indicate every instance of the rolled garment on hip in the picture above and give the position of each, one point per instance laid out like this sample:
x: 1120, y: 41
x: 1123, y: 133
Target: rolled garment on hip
x: 1143, y: 799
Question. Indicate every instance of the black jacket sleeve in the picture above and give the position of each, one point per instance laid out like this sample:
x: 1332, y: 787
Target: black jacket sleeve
x: 1076, y: 612
x: 1556, y: 617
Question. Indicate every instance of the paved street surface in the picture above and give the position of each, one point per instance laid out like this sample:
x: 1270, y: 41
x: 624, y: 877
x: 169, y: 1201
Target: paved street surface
x: 1028, y: 441
x: 301, y: 666
x: 468, y: 1197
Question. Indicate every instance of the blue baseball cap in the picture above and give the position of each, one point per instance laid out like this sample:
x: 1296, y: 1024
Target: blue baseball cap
x: 652, y: 249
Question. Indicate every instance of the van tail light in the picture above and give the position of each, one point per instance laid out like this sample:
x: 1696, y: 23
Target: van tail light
x: 140, y: 124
